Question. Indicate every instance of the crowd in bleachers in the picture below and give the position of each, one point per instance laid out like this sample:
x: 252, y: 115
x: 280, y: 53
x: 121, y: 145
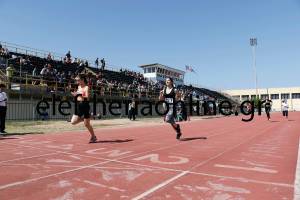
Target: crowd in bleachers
x: 59, y: 75
x: 4, y: 52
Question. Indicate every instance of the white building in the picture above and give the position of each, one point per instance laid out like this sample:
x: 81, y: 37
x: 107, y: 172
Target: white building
x: 291, y: 94
x: 158, y: 72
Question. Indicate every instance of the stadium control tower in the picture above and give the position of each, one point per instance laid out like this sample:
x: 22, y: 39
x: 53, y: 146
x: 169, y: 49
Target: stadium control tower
x: 158, y: 72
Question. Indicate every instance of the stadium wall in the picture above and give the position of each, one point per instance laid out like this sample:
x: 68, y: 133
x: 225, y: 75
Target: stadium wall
x: 291, y: 94
x: 27, y: 110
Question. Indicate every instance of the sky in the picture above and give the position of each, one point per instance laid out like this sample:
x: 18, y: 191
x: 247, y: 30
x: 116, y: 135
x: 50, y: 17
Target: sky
x: 212, y: 36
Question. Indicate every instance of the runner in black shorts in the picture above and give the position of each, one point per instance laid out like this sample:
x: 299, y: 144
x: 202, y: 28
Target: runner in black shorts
x: 83, y: 109
x: 169, y: 95
x: 268, y: 106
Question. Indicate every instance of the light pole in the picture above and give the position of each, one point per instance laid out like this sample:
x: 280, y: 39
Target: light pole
x: 253, y: 43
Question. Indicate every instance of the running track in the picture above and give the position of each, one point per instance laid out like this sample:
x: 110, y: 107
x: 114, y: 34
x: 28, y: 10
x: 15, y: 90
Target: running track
x: 238, y: 160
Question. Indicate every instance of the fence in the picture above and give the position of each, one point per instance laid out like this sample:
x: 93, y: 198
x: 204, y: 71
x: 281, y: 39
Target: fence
x: 26, y: 83
x: 24, y: 109
x: 27, y: 110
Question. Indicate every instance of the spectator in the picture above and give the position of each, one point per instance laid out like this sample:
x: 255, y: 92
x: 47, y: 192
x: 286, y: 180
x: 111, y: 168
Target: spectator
x: 132, y: 111
x: 3, y: 108
x: 102, y: 64
x: 34, y: 72
x: 9, y: 73
x: 3, y: 51
x: 68, y: 59
x: 97, y: 62
x: 68, y: 55
x: 49, y: 57
x: 44, y: 114
x: 43, y: 71
x: 80, y: 63
x: 43, y: 74
x: 22, y: 61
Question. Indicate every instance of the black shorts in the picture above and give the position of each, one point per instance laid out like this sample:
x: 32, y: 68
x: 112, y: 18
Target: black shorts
x: 285, y: 113
x: 83, y: 109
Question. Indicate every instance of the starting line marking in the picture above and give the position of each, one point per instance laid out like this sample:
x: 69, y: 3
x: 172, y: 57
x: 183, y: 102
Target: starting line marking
x: 297, y: 177
x: 256, y: 169
x: 155, y: 159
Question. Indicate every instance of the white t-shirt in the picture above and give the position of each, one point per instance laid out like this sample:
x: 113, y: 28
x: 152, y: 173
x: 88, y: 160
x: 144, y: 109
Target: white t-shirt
x: 285, y: 106
x: 3, y: 99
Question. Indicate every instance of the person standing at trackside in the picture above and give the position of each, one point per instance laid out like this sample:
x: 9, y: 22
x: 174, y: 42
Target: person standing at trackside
x: 285, y: 108
x: 268, y: 106
x: 132, y: 111
x: 168, y: 94
x: 3, y: 108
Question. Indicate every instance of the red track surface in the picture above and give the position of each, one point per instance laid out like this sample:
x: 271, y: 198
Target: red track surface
x: 238, y: 160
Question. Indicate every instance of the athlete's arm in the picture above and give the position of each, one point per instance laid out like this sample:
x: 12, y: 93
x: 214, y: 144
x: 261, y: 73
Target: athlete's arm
x: 75, y: 92
x: 86, y: 93
x: 177, y: 95
x: 161, y: 95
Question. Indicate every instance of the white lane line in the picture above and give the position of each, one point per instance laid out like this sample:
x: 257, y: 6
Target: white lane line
x: 24, y: 158
x: 157, y: 187
x: 241, y: 179
x: 256, y: 169
x: 50, y: 175
x: 104, y: 186
x: 297, y: 177
x: 146, y: 168
x: 153, y: 168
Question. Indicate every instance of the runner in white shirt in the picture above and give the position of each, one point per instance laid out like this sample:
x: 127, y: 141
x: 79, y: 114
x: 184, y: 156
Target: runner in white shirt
x: 3, y: 108
x: 285, y: 108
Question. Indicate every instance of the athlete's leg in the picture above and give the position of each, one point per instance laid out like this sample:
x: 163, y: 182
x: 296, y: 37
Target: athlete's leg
x: 90, y: 129
x: 76, y: 119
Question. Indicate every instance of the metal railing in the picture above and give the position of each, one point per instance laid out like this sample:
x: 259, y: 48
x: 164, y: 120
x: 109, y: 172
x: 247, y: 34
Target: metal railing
x: 26, y: 81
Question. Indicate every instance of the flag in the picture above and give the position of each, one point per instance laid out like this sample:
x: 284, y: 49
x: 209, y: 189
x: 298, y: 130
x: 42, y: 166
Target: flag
x: 189, y: 69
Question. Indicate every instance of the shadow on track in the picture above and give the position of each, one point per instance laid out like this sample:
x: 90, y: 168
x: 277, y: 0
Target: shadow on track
x: 193, y: 138
x: 114, y: 141
x: 8, y: 138
x: 26, y: 133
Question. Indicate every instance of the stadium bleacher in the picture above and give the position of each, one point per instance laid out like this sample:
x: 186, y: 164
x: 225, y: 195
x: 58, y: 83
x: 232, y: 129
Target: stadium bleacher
x: 104, y: 81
